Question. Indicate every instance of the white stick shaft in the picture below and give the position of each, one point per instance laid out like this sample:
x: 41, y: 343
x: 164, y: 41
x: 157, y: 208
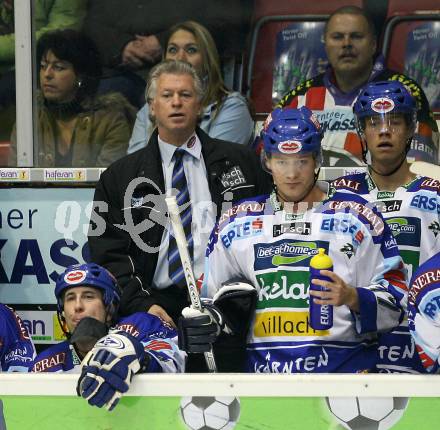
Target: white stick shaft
x: 182, y: 246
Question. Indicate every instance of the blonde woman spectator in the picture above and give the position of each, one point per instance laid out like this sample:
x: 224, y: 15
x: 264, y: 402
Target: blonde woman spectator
x: 225, y: 115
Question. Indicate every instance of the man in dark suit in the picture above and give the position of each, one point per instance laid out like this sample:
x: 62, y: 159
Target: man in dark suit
x: 129, y: 232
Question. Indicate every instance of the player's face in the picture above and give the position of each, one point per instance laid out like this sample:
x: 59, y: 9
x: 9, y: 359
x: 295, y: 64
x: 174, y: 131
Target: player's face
x: 184, y: 47
x: 386, y: 136
x: 81, y: 302
x: 349, y: 44
x: 293, y: 174
x: 58, y: 79
x: 175, y: 106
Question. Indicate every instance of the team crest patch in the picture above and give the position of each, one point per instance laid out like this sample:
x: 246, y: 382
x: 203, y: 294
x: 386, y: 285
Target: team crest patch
x: 290, y: 146
x: 348, y: 250
x: 435, y: 228
x: 382, y: 105
x: 75, y: 277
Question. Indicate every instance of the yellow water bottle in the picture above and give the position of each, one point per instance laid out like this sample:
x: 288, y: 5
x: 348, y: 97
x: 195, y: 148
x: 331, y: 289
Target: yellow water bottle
x: 321, y: 316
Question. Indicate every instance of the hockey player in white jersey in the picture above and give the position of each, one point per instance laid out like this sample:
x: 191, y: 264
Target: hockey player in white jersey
x: 424, y: 297
x: 385, y: 115
x: 270, y: 241
x: 106, y: 350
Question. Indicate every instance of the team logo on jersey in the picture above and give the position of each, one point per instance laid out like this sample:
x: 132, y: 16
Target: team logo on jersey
x: 348, y: 250
x: 307, y: 363
x: 284, y: 323
x: 75, y: 277
x: 241, y: 228
x: 425, y: 201
x: 431, y: 183
x: 347, y: 184
x: 286, y: 253
x: 278, y: 289
x: 406, y: 230
x: 381, y: 195
x: 382, y: 105
x: 47, y: 363
x: 290, y: 146
x: 248, y: 207
x: 434, y: 227
x: 292, y: 217
x: 400, y: 225
x: 302, y: 228
x: 360, y: 210
x: 385, y: 206
x: 344, y: 225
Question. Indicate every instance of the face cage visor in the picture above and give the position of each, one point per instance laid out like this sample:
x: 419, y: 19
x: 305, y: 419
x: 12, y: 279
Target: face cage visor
x: 393, y: 122
x: 289, y: 164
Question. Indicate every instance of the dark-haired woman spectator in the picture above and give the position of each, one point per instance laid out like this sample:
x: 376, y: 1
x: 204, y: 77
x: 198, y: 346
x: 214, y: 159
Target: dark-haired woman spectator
x: 225, y: 114
x: 76, y: 128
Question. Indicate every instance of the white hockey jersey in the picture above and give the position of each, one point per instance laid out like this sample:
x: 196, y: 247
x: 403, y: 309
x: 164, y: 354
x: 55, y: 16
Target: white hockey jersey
x: 424, y: 312
x: 412, y: 213
x: 271, y: 248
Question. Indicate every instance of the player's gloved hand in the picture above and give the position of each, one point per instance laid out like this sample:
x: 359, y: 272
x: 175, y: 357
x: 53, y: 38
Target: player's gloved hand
x: 198, y: 330
x: 107, y: 370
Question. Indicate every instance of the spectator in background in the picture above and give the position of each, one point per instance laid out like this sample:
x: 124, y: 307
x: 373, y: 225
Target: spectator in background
x: 48, y: 15
x: 17, y: 351
x: 76, y: 128
x: 350, y: 43
x: 225, y: 115
x: 131, y: 35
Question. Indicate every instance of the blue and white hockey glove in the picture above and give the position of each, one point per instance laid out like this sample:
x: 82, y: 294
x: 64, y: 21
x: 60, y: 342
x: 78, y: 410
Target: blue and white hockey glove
x: 107, y: 370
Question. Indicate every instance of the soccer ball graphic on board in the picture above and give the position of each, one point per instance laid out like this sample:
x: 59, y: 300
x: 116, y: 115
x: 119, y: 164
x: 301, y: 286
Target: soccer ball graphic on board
x: 367, y: 413
x: 210, y: 413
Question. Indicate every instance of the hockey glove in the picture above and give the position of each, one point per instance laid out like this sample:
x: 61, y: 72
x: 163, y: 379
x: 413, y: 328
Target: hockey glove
x: 107, y: 370
x: 198, y: 330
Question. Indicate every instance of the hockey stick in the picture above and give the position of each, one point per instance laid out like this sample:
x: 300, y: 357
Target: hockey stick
x: 182, y: 246
x: 425, y: 169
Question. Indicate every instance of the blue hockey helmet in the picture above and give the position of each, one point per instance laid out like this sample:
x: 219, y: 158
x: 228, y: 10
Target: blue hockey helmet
x: 92, y: 275
x: 383, y: 97
x: 292, y: 131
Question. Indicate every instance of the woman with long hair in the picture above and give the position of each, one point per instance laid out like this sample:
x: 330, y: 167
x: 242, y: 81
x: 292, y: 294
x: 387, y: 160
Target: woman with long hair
x: 76, y: 128
x: 225, y: 114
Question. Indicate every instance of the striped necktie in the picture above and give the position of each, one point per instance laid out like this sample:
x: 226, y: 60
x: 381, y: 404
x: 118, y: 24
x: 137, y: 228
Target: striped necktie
x: 179, y: 183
